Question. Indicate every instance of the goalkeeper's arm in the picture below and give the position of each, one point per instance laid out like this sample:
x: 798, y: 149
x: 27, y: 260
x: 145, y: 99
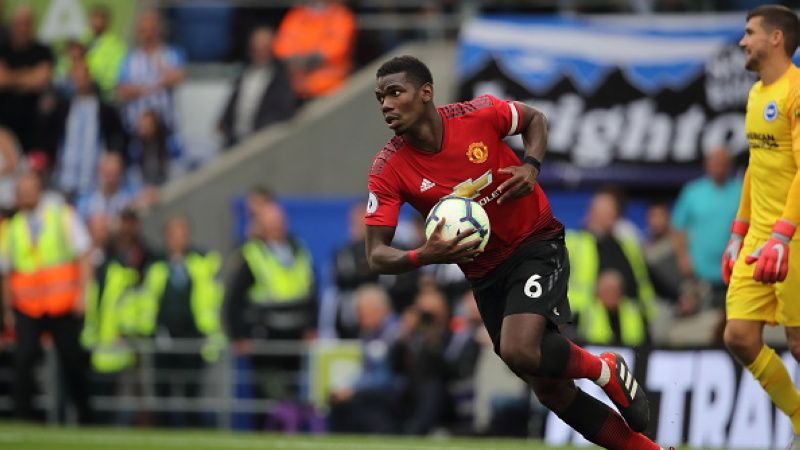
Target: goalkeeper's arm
x: 738, y: 231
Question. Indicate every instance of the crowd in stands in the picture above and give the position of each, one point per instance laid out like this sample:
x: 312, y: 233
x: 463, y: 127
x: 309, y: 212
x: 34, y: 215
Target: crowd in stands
x: 67, y: 104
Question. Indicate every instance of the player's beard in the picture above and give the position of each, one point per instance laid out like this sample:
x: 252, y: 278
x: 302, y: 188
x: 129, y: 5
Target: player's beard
x: 754, y: 62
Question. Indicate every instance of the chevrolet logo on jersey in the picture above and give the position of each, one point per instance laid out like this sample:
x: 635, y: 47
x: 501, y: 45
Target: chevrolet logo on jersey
x: 471, y: 189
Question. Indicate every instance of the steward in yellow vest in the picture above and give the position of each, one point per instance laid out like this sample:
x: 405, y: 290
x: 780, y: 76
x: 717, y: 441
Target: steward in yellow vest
x: 179, y: 310
x: 613, y: 319
x: 43, y: 257
x: 110, y: 314
x: 272, y: 295
x: 192, y: 283
x: 599, y: 247
x: 105, y: 51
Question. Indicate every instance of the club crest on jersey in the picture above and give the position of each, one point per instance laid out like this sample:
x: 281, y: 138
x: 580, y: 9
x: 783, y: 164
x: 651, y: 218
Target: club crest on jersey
x: 477, y: 152
x: 771, y: 111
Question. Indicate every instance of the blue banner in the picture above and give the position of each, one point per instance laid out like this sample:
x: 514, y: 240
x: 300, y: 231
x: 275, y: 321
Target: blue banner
x: 623, y: 95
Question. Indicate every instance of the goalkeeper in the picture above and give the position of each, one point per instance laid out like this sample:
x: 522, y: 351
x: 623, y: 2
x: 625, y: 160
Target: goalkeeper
x: 764, y: 281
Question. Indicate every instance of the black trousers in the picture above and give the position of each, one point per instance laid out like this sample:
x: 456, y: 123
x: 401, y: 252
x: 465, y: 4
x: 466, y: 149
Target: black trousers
x: 72, y: 360
x: 178, y: 375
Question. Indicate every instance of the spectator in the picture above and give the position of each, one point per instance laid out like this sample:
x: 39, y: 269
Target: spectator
x: 469, y: 339
x: 702, y: 216
x: 316, y: 39
x: 45, y: 265
x: 110, y: 314
x: 38, y: 163
x: 350, y: 271
x: 272, y: 296
x: 613, y: 319
x: 659, y: 252
x: 601, y: 246
x: 181, y: 300
x: 79, y: 130
x: 26, y: 68
x: 129, y: 246
x: 419, y: 356
x: 111, y: 195
x: 262, y: 94
x: 105, y: 51
x: 149, y: 74
x: 367, y: 406
x: 149, y: 154
x: 99, y: 227
x: 10, y: 154
x: 72, y: 54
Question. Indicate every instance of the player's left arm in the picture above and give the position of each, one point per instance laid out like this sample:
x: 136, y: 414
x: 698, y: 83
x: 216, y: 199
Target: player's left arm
x: 533, y: 128
x: 772, y: 258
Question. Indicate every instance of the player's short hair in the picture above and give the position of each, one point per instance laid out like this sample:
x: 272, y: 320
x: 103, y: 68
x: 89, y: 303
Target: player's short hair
x: 416, y: 71
x: 781, y: 18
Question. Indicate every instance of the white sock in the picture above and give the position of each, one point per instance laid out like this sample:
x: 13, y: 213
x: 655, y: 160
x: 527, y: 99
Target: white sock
x: 605, y: 375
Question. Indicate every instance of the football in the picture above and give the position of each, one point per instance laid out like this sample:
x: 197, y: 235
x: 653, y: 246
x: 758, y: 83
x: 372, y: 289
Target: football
x: 461, y: 214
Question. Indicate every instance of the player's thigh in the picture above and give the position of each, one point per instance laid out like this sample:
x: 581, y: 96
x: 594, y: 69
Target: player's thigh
x: 748, y: 299
x: 491, y: 304
x: 538, y: 284
x: 788, y: 291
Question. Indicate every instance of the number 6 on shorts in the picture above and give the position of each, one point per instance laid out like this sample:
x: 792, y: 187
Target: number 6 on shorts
x: 532, y: 287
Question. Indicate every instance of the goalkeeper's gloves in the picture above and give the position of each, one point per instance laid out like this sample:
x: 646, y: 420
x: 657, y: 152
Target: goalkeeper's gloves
x: 731, y: 254
x: 772, y: 257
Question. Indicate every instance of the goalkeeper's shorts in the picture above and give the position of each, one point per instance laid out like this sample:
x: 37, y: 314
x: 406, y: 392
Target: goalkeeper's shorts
x: 748, y: 299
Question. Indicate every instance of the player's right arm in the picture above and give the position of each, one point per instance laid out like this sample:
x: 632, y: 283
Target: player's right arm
x: 383, y: 258
x: 738, y: 230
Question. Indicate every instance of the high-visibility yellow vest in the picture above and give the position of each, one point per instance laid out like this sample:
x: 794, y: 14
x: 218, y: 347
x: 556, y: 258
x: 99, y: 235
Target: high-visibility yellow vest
x: 104, y: 59
x: 274, y: 282
x: 595, y: 324
x: 584, y: 267
x: 205, y: 299
x: 45, y: 275
x: 108, y: 317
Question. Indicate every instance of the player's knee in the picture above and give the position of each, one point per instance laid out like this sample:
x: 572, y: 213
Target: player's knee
x: 521, y: 359
x: 742, y: 342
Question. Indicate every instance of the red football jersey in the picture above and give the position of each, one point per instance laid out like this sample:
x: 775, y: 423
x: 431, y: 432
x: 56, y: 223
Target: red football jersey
x: 468, y: 165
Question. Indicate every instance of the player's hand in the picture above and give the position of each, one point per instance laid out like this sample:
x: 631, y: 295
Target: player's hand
x: 731, y: 254
x: 772, y: 257
x: 521, y: 183
x: 460, y: 249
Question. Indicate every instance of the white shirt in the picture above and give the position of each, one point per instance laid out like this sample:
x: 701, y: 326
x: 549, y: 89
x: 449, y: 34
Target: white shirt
x: 254, y: 81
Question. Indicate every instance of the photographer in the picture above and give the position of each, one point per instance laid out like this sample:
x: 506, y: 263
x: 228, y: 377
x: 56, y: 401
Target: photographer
x: 419, y: 359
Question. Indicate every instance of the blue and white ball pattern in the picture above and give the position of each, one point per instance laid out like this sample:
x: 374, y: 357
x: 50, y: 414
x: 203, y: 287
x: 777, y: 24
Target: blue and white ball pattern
x: 460, y: 215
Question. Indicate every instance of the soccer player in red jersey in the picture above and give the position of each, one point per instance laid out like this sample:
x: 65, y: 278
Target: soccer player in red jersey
x: 520, y: 278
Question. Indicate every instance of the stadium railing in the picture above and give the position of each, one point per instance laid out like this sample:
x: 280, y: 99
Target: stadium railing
x: 224, y: 396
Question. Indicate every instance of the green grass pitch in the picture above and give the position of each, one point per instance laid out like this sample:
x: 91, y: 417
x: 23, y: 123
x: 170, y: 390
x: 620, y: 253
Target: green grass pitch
x: 29, y: 437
